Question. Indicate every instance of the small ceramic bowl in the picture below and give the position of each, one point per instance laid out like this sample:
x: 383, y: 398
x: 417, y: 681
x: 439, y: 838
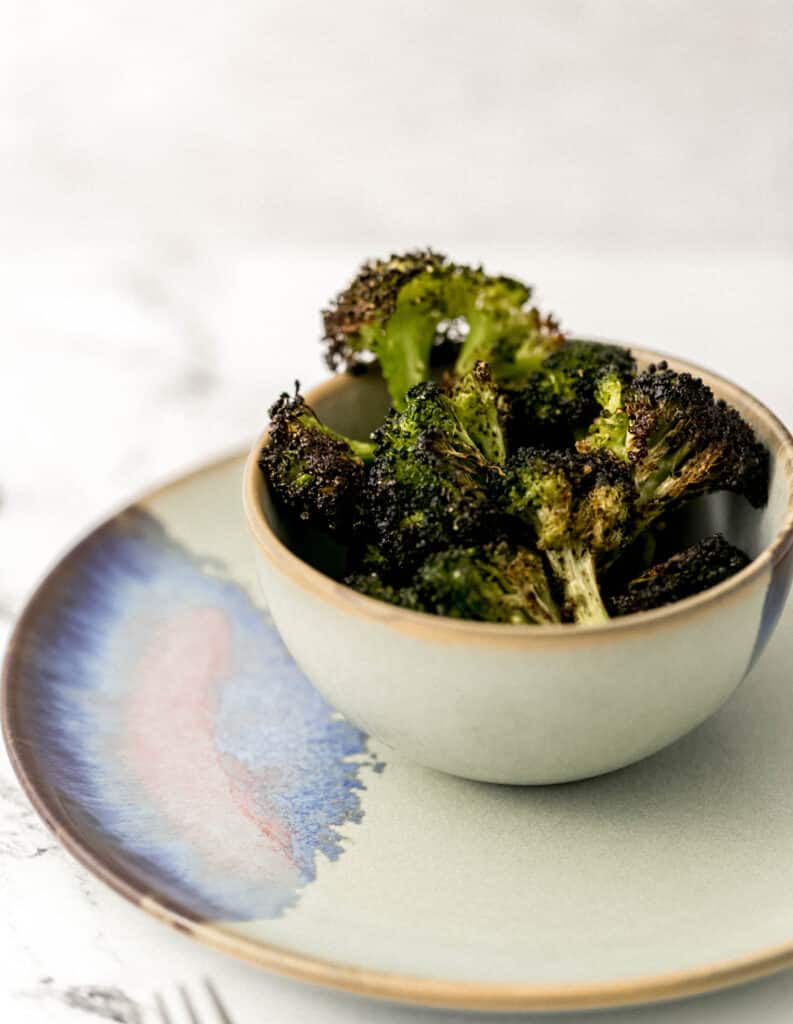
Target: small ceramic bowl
x: 527, y: 704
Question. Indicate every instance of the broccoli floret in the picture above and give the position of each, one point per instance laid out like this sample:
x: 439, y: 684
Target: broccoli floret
x: 679, y: 441
x: 580, y: 510
x: 394, y: 308
x: 559, y: 398
x: 504, y: 332
x: 482, y: 410
x: 491, y: 583
x: 610, y: 431
x: 496, y: 582
x: 429, y: 484
x: 391, y: 310
x: 374, y: 585
x: 314, y: 471
x: 698, y: 567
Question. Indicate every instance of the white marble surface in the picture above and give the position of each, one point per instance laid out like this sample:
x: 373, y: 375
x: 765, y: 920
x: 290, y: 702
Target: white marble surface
x: 125, y: 364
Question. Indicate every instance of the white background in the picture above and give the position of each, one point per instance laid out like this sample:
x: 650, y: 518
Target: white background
x: 183, y: 186
x: 632, y: 122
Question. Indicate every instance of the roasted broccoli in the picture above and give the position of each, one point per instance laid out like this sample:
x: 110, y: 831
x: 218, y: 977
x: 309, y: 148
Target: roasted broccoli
x: 609, y: 431
x: 390, y: 311
x: 492, y: 583
x: 482, y: 410
x: 518, y: 477
x: 374, y: 585
x: 314, y: 471
x: 580, y: 511
x: 559, y: 398
x: 678, y: 440
x: 430, y: 485
x: 504, y: 332
x: 496, y: 582
x: 698, y: 567
x: 394, y: 308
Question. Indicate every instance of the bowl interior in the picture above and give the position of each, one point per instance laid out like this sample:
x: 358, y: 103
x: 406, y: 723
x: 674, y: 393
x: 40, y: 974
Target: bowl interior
x: 356, y: 405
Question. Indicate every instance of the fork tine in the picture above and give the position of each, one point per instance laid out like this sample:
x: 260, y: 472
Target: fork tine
x: 223, y: 1014
x: 162, y: 1009
x: 188, y: 1005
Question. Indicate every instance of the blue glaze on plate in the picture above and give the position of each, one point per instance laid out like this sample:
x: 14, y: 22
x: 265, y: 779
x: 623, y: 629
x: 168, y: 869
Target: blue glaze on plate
x: 179, y: 729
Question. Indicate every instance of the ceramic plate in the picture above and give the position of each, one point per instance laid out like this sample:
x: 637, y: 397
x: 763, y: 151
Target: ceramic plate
x: 163, y: 732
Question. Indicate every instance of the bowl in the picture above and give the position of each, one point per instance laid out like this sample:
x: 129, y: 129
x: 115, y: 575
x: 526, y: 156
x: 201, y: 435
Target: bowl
x: 526, y: 704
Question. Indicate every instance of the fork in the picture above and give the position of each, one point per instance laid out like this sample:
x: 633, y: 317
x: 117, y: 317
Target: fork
x: 221, y: 1013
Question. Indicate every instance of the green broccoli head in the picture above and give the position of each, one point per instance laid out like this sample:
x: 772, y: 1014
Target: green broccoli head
x: 610, y: 430
x: 482, y: 409
x: 393, y: 309
x: 429, y: 485
x: 507, y: 334
x: 496, y: 582
x: 373, y: 584
x: 580, y: 510
x: 560, y: 398
x: 314, y: 471
x: 697, y: 568
x: 679, y: 441
x: 390, y: 311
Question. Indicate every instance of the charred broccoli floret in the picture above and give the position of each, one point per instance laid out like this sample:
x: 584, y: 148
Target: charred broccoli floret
x: 610, y: 431
x: 429, y: 485
x: 698, y: 567
x: 496, y: 582
x: 679, y: 441
x: 390, y: 311
x: 580, y: 510
x: 394, y: 307
x: 535, y: 482
x: 559, y: 399
x: 314, y: 471
x: 374, y: 585
x: 505, y: 332
x: 482, y: 410
x: 491, y: 583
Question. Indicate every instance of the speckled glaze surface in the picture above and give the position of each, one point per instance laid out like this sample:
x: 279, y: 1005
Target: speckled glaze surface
x: 528, y: 704
x: 165, y: 694
x: 165, y: 735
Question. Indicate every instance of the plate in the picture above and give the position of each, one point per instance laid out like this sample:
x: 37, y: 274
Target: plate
x: 164, y: 734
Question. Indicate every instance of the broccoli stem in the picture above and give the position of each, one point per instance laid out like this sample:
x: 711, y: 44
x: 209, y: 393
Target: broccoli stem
x: 522, y: 349
x: 665, y: 479
x: 404, y: 350
x: 363, y: 449
x: 536, y: 595
x: 477, y: 343
x: 576, y: 570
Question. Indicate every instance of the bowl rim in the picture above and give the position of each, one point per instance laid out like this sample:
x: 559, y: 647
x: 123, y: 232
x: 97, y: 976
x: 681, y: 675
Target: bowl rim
x: 445, y: 629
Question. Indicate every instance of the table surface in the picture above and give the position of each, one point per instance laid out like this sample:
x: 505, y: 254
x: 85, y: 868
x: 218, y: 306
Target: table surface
x: 124, y: 366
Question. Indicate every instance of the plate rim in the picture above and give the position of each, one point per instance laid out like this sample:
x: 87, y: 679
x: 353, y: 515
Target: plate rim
x: 393, y: 986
